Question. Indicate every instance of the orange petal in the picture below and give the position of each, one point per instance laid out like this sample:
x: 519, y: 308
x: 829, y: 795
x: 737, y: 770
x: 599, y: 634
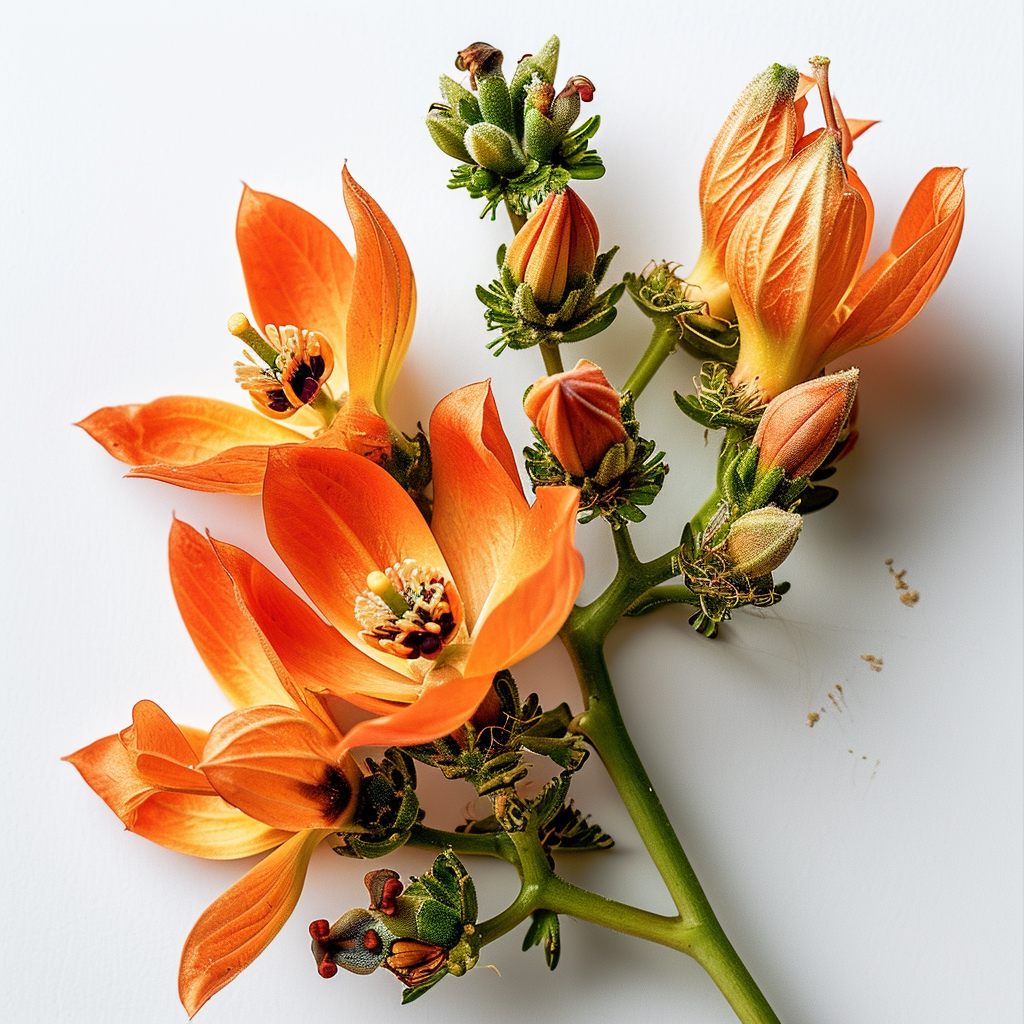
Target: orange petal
x: 479, y: 505
x: 199, y: 443
x: 238, y: 926
x: 277, y: 765
x: 754, y: 143
x: 109, y: 769
x: 163, y: 755
x: 441, y: 710
x: 380, y: 318
x: 203, y: 826
x: 224, y: 637
x: 315, y: 655
x: 296, y: 270
x: 895, y: 288
x: 535, y: 589
x: 334, y: 517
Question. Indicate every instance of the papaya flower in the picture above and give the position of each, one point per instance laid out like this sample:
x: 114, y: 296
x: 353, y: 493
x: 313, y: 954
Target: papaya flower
x: 419, y: 620
x: 336, y: 331
x: 794, y: 261
x: 763, y: 131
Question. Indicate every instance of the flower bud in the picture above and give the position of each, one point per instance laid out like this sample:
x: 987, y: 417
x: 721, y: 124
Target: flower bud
x: 578, y: 415
x: 448, y: 132
x: 760, y: 541
x: 556, y: 249
x: 493, y: 148
x: 800, y: 427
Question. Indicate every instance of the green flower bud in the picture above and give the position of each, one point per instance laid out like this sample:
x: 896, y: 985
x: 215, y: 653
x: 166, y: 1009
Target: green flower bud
x: 462, y: 101
x: 448, y: 132
x: 495, y: 149
x: 760, y: 541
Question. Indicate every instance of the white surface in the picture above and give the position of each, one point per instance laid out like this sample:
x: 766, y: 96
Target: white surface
x: 867, y: 869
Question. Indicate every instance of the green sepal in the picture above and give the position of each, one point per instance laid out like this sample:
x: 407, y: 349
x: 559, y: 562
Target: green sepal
x: 660, y: 294
x: 540, y: 136
x: 543, y: 63
x: 544, y: 928
x: 495, y: 149
x: 461, y: 100
x: 569, y: 831
x: 815, y: 498
x: 411, y: 994
x: 448, y: 132
x: 709, y: 338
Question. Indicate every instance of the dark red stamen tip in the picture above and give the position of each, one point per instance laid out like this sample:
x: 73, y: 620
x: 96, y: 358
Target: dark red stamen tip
x: 391, y: 891
x: 327, y: 969
x: 371, y: 940
x: 320, y: 930
x: 430, y: 645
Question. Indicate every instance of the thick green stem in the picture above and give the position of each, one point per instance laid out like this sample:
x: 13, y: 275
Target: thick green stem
x: 552, y: 358
x: 662, y: 345
x: 479, y: 844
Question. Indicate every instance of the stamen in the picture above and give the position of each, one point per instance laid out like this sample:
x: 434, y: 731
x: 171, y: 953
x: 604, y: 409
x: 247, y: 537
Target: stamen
x: 239, y: 326
x: 408, y: 611
x: 820, y: 65
x: 327, y: 969
x: 320, y: 930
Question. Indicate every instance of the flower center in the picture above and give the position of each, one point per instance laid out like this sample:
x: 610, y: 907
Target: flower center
x: 407, y: 611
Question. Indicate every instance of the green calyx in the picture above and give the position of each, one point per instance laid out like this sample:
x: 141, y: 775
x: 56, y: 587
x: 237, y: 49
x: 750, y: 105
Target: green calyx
x: 582, y: 313
x: 630, y: 475
x: 514, y: 148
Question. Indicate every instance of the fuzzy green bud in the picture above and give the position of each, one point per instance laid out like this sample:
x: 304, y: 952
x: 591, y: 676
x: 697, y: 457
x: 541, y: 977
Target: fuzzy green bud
x: 760, y: 541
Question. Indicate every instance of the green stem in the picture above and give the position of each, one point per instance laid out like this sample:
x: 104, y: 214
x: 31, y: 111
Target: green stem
x: 326, y: 406
x: 516, y: 219
x: 552, y: 358
x: 657, y: 597
x: 473, y: 844
x: 696, y: 930
x: 662, y: 345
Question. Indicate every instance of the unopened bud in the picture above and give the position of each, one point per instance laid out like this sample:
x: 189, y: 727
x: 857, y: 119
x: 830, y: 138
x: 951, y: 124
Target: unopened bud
x: 578, y: 415
x: 492, y: 147
x: 565, y: 107
x: 556, y: 249
x: 760, y: 541
x: 800, y: 427
x: 448, y: 132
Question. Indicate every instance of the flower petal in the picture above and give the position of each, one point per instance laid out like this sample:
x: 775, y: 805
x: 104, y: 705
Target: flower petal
x: 296, y: 270
x: 380, y: 318
x: 238, y: 926
x: 315, y: 654
x: 224, y: 637
x: 535, y: 589
x: 479, y: 505
x: 442, y: 709
x: 199, y: 443
x: 203, y: 826
x: 164, y: 757
x: 895, y: 288
x: 277, y: 765
x: 334, y: 517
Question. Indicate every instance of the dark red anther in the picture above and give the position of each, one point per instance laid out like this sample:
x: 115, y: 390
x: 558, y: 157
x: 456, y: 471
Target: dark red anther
x: 524, y: 56
x: 320, y: 930
x: 327, y: 969
x: 371, y: 940
x: 391, y: 891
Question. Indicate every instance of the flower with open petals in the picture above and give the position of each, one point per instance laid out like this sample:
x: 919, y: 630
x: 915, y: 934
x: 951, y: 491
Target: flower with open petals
x: 332, y: 327
x: 794, y: 261
x: 419, y: 621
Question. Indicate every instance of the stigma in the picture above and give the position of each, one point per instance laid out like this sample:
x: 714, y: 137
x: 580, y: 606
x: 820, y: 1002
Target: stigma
x: 408, y: 611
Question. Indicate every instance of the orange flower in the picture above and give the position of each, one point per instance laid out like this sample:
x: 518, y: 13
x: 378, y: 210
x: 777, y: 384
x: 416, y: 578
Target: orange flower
x: 577, y: 413
x: 760, y: 136
x: 794, y: 261
x: 331, y: 323
x: 490, y: 582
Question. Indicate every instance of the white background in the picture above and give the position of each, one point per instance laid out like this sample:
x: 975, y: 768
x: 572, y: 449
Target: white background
x: 867, y: 869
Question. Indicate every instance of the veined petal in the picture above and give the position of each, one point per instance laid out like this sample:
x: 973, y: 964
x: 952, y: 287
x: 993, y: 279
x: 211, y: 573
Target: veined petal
x: 334, y: 518
x: 535, y: 589
x: 164, y: 757
x: 895, y: 288
x: 224, y: 637
x: 237, y: 927
x: 383, y: 308
x: 441, y: 709
x: 296, y: 270
x: 315, y: 655
x: 109, y: 770
x: 199, y: 443
x: 754, y: 143
x: 203, y: 826
x: 277, y: 765
x: 479, y: 506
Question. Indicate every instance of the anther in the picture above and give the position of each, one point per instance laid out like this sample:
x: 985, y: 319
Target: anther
x: 371, y: 940
x: 379, y: 584
x: 327, y: 969
x: 320, y: 930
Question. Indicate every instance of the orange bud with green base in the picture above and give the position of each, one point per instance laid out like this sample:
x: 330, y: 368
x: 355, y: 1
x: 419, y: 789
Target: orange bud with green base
x: 800, y: 428
x: 577, y: 413
x: 556, y: 249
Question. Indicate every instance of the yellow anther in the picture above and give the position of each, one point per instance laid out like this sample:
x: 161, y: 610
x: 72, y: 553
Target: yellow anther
x: 379, y: 584
x: 239, y: 326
